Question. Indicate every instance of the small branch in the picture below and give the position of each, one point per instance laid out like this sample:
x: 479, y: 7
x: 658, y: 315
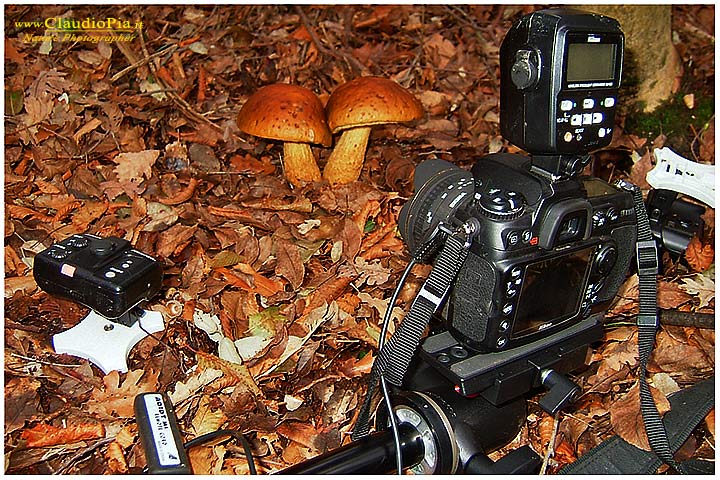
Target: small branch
x: 354, y: 62
x: 142, y: 62
x: 551, y: 447
x: 79, y: 455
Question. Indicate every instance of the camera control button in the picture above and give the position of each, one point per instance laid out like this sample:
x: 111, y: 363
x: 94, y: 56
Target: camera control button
x: 597, y: 117
x: 458, y: 352
x: 516, y: 272
x: 501, y: 342
x: 587, y: 118
x: 110, y: 274
x: 576, y: 120
x: 513, y: 238
x: 78, y: 242
x: 566, y: 105
x: 443, y: 358
x: 609, y: 102
x: 504, y: 326
x: 58, y: 254
x: 511, y: 291
x: 588, y: 103
x: 507, y: 310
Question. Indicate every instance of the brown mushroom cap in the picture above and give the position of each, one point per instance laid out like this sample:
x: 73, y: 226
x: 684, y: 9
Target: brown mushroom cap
x: 368, y: 101
x: 287, y: 113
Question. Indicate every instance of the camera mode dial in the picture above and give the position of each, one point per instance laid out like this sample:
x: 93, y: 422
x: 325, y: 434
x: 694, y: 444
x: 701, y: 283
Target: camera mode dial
x: 500, y: 204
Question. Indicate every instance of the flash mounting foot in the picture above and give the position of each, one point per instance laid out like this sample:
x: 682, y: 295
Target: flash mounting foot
x: 105, y: 342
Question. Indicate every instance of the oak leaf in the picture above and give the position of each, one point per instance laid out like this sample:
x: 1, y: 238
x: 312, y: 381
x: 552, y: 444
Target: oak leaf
x: 116, y: 400
x: 134, y: 167
x: 701, y: 286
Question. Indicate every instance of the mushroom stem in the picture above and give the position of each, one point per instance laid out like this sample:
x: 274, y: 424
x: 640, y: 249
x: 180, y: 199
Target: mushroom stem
x: 346, y: 160
x: 299, y: 163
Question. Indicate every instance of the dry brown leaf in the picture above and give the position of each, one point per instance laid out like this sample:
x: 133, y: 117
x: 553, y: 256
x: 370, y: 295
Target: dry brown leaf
x: 43, y: 435
x: 626, y: 416
x: 207, y: 418
x: 699, y: 256
x: 289, y: 263
x: 233, y: 373
x: 116, y: 400
x: 710, y: 422
x: 670, y: 296
x: 116, y: 458
x: 134, y: 167
x: 700, y: 285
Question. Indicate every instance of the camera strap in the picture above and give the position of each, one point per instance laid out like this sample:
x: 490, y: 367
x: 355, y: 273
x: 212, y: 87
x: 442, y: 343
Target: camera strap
x: 647, y: 324
x: 394, y: 358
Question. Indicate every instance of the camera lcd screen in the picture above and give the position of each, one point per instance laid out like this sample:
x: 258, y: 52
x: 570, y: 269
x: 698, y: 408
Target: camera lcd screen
x: 551, y: 291
x: 588, y: 62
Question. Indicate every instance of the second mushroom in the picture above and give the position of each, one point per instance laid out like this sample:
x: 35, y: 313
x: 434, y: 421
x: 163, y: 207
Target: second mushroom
x: 353, y: 109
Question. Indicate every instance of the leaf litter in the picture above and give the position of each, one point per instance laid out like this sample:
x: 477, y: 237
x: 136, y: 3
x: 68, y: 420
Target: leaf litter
x: 273, y: 298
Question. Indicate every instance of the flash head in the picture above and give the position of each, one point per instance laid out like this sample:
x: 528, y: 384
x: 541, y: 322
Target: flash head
x: 560, y: 73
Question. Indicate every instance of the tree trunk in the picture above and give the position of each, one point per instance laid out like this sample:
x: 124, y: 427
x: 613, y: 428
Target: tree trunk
x: 651, y: 61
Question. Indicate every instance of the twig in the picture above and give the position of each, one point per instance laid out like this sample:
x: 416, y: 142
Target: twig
x: 170, y: 50
x: 354, y: 62
x: 177, y: 99
x: 44, y: 362
x: 89, y: 449
x: 551, y: 447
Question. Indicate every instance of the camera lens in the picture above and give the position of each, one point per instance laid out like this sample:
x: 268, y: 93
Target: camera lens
x: 441, y: 188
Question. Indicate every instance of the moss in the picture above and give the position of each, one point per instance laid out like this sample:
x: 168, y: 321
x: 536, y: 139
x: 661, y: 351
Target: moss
x: 672, y: 119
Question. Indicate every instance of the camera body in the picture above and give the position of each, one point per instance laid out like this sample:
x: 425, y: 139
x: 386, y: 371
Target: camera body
x: 551, y: 247
x: 105, y: 274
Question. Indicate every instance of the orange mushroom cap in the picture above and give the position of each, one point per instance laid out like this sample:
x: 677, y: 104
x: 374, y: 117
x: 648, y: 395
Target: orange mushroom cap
x: 284, y: 112
x: 368, y: 101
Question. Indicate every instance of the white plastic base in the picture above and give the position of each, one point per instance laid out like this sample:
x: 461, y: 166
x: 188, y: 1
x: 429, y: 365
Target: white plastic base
x: 673, y: 172
x: 106, y: 343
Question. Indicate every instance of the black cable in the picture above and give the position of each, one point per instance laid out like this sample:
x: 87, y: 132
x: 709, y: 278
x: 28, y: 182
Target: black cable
x: 383, y: 384
x: 230, y: 433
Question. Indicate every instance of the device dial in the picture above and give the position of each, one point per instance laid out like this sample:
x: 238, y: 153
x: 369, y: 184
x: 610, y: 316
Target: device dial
x: 501, y: 204
x: 525, y: 71
x: 605, y: 259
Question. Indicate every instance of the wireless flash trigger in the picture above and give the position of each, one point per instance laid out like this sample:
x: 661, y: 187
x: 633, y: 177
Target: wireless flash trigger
x: 112, y: 279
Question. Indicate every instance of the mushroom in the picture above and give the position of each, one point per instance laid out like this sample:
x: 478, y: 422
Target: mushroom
x: 353, y: 108
x: 293, y: 115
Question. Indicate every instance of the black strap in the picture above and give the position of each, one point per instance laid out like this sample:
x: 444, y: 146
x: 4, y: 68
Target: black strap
x: 647, y: 323
x: 617, y: 457
x: 394, y: 358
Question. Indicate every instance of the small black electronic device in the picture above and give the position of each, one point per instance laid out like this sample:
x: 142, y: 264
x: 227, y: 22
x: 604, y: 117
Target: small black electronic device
x: 105, y: 274
x: 160, y: 435
x: 559, y: 78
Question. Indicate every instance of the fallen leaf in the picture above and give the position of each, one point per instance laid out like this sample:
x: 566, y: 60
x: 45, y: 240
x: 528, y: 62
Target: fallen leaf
x: 701, y: 286
x: 289, y: 263
x: 116, y: 400
x: 699, y: 256
x: 626, y: 416
x: 670, y: 296
x: 372, y: 273
x: 207, y: 418
x: 116, y: 458
x: 134, y: 167
x: 44, y: 435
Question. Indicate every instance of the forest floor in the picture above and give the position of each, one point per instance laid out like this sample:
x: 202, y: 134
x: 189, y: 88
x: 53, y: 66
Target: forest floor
x: 138, y: 139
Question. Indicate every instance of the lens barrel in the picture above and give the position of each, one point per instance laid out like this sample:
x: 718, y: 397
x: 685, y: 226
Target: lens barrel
x: 441, y: 188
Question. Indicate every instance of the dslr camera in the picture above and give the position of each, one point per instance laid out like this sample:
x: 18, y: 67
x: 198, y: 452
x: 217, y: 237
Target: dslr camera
x: 551, y: 246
